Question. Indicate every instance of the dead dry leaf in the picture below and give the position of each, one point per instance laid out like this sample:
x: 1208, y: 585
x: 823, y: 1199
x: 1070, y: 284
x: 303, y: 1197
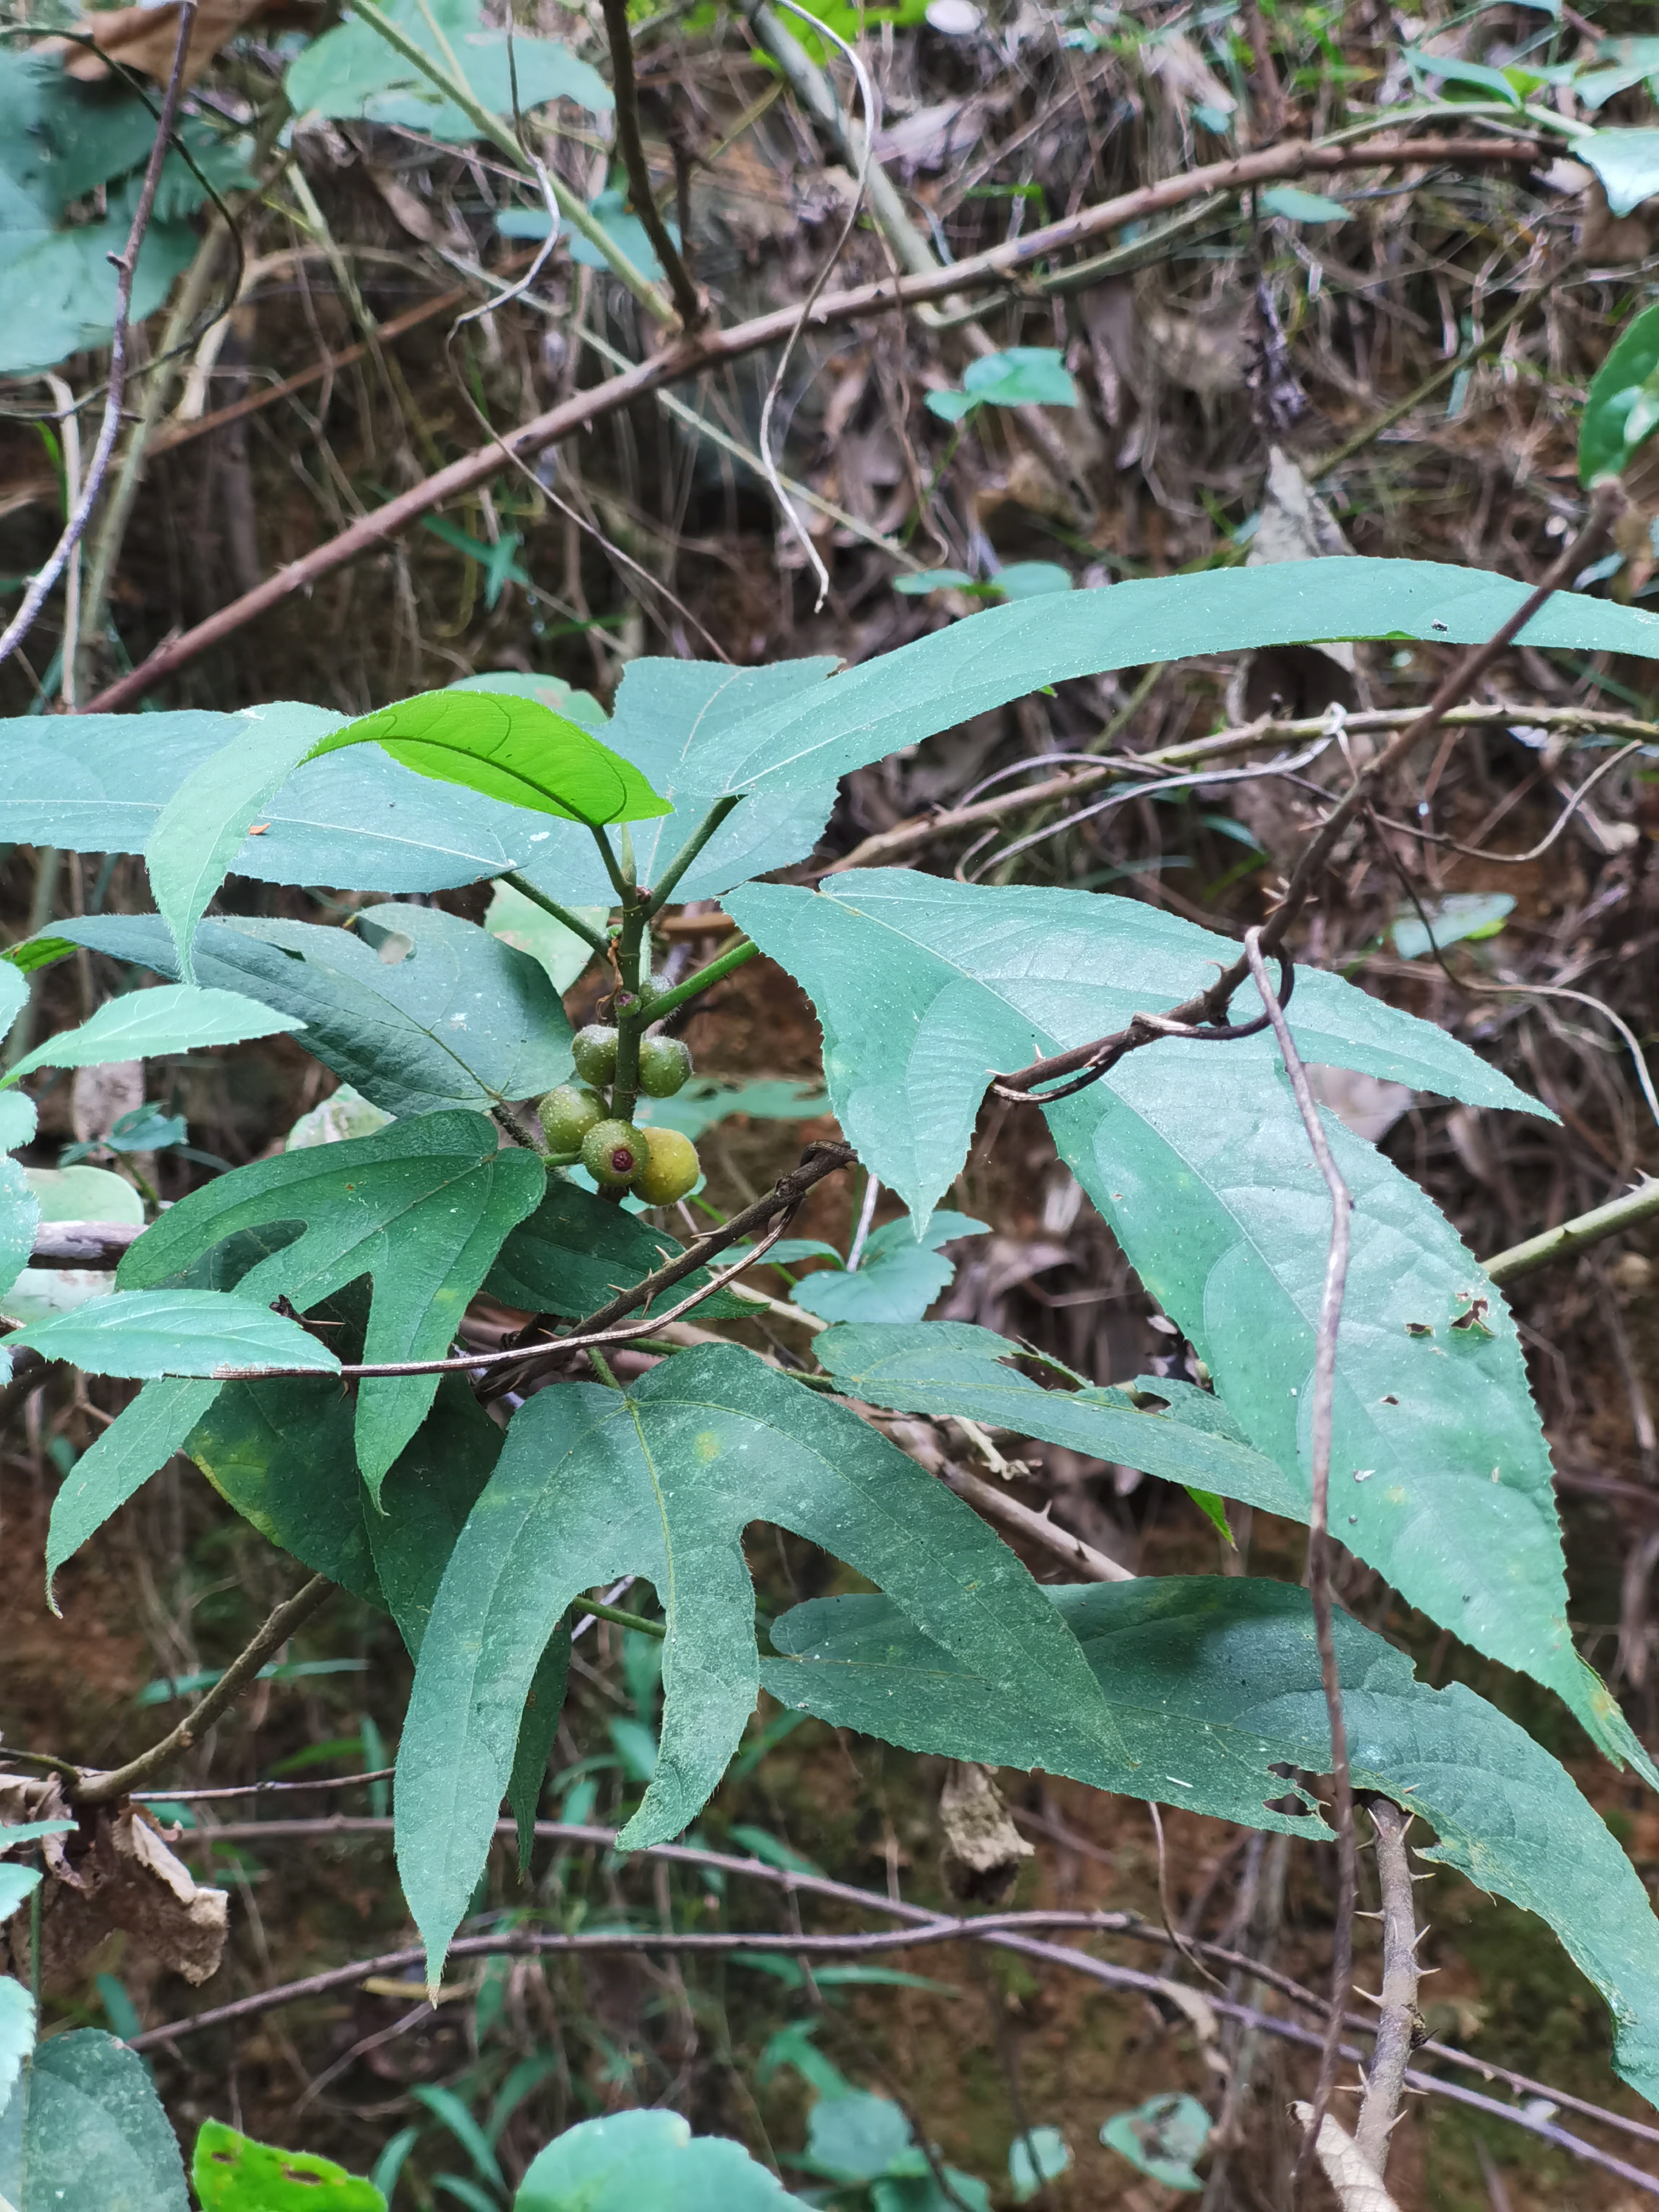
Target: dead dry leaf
x: 981, y: 1850
x: 126, y: 1882
x: 146, y: 39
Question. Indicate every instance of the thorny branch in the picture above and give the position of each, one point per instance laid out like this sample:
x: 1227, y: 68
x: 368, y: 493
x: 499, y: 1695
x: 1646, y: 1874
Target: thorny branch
x: 1400, y: 2024
x: 126, y: 270
x: 1319, y: 1558
x: 1006, y: 1933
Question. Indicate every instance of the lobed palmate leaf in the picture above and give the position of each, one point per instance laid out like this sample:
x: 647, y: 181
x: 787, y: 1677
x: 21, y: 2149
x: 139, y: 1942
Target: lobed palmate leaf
x: 660, y: 1480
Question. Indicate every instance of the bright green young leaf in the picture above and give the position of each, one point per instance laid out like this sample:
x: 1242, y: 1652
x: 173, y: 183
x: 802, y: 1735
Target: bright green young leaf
x: 231, y: 2173
x: 660, y: 1480
x: 16, y: 2032
x: 672, y: 721
x: 138, y: 1442
x: 1162, y: 2137
x: 422, y: 1206
x: 1461, y: 916
x: 642, y: 2161
x: 508, y: 748
x: 84, y: 2126
x: 1297, y: 206
x: 144, y: 1025
x: 356, y: 819
x: 1200, y: 1166
x: 352, y: 71
x: 938, y: 681
x: 1627, y: 161
x: 415, y: 1008
x: 1449, y: 69
x: 1023, y: 376
x: 148, y: 1333
x: 1215, y: 1680
x: 946, y: 1367
x: 899, y: 1276
x: 204, y: 825
x: 1610, y: 430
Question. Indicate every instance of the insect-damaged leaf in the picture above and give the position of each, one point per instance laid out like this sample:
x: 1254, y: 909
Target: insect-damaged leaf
x: 1215, y: 1681
x: 1440, y: 1476
x: 421, y: 1206
x: 660, y: 1480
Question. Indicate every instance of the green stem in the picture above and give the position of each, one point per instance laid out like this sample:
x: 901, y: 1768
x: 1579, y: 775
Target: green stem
x: 600, y: 1611
x: 619, y: 882
x: 602, y: 1369
x: 744, y: 950
x: 571, y: 920
x: 571, y: 210
x: 632, y: 1019
x: 1576, y: 1235
x: 694, y: 844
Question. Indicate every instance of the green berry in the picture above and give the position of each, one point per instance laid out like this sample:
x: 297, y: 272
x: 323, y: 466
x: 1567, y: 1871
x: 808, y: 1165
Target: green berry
x: 671, y: 1168
x: 569, y: 1113
x: 655, y: 986
x: 595, y: 1051
x: 613, y: 1152
x: 664, y: 1064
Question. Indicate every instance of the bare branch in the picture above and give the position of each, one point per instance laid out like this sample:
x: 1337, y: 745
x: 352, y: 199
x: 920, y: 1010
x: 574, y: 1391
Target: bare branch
x: 1400, y: 2024
x: 693, y: 307
x: 1353, y: 2178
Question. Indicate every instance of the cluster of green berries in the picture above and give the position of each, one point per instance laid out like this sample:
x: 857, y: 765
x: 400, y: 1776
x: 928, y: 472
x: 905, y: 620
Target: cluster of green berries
x: 658, y: 1165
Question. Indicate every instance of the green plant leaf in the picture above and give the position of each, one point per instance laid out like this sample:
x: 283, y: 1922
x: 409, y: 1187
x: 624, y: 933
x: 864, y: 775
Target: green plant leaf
x: 356, y: 819
x: 137, y: 1443
x: 529, y: 928
x: 575, y: 1252
x: 144, y: 1025
x: 422, y: 1206
x: 84, y: 1194
x: 672, y: 720
x: 660, y: 1480
x: 946, y: 679
x: 898, y: 1278
x: 859, y: 2137
x: 1610, y: 430
x: 231, y: 2173
x: 16, y: 2032
x: 206, y: 822
x: 1451, y: 919
x: 352, y: 71
x: 637, y: 2161
x: 148, y: 1333
x: 281, y: 1453
x: 84, y: 2126
x: 62, y: 288
x: 706, y: 1100
x: 1627, y: 161
x: 1297, y: 206
x: 1162, y: 2137
x: 1021, y: 376
x: 945, y: 1367
x: 424, y: 1502
x: 19, y: 1214
x: 1216, y: 1682
x: 17, y: 1885
x: 609, y: 210
x: 415, y: 1008
x: 1201, y: 1167
x: 1448, y: 69
x: 508, y: 748
x: 1032, y: 579
x: 1033, y: 2158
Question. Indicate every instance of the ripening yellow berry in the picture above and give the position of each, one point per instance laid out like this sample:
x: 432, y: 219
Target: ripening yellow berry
x: 671, y: 1168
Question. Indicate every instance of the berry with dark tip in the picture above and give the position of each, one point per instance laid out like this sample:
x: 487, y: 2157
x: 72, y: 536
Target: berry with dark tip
x: 613, y: 1152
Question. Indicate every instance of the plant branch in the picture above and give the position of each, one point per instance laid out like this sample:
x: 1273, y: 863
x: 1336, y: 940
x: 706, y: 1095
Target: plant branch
x: 659, y: 897
x: 562, y: 915
x: 1356, y: 2185
x: 713, y: 972
x: 126, y: 270
x: 713, y: 349
x: 1036, y: 1527
x: 1319, y: 1556
x: 1400, y: 2024
x: 1572, y: 1237
x: 490, y: 126
x: 109, y: 1787
x: 694, y: 309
